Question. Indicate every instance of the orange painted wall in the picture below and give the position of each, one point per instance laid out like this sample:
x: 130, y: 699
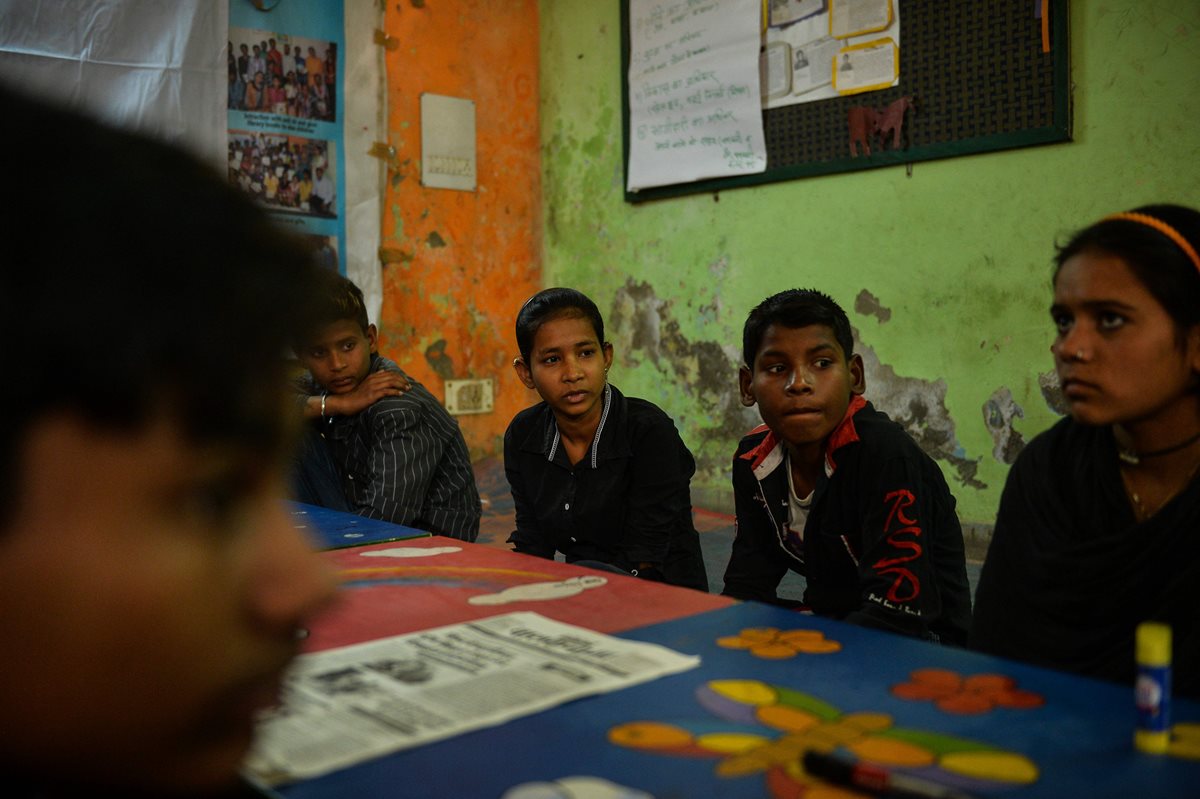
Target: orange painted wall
x: 457, y: 265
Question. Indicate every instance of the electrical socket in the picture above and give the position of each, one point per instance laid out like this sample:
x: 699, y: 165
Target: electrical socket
x: 469, y: 396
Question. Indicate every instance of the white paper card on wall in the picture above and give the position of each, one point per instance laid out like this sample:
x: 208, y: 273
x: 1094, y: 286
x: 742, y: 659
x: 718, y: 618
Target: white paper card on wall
x: 447, y: 142
x: 775, y: 70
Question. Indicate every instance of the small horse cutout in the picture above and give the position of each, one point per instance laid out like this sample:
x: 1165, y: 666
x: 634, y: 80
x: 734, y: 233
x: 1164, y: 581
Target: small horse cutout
x: 867, y: 123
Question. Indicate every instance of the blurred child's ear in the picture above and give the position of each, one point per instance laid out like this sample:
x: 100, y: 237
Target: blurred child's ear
x: 373, y: 337
x: 745, y: 386
x: 858, y: 375
x: 1191, y: 351
x: 522, y: 370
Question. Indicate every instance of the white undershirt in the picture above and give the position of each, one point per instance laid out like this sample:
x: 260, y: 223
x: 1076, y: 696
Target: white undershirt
x: 798, y: 507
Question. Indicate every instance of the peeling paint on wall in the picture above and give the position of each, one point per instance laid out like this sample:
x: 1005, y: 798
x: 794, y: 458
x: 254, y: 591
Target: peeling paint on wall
x: 868, y: 304
x: 708, y: 373
x: 460, y: 263
x: 706, y: 369
x: 397, y: 178
x: 394, y: 255
x: 998, y: 414
x: 1052, y: 392
x: 919, y: 406
x: 438, y: 360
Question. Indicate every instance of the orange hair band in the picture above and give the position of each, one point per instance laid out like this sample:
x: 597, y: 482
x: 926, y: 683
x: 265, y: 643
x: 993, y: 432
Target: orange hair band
x: 1163, y: 228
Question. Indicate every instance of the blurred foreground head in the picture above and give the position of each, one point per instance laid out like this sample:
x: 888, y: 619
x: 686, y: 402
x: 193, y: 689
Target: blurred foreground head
x: 151, y: 583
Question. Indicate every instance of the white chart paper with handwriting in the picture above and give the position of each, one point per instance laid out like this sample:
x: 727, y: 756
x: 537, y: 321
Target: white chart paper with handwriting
x: 695, y: 110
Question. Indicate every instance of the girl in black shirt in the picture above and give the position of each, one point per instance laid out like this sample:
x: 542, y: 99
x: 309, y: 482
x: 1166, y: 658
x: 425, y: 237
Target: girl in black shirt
x: 1097, y: 525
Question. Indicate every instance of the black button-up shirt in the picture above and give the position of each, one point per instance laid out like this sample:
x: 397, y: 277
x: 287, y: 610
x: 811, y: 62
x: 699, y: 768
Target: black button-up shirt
x: 626, y: 502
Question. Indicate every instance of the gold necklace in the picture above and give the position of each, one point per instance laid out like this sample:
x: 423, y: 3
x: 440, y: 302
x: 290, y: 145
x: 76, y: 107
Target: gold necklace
x: 1139, y: 507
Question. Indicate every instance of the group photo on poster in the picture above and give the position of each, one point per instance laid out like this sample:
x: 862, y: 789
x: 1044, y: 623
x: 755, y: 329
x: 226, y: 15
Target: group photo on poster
x: 285, y: 173
x: 284, y: 124
x: 273, y: 73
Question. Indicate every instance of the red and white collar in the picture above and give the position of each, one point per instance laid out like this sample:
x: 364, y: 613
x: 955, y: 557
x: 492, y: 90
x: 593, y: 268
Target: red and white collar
x: 766, y: 457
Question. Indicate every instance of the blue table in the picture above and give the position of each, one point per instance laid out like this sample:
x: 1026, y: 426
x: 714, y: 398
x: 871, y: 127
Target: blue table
x: 331, y: 529
x: 734, y: 726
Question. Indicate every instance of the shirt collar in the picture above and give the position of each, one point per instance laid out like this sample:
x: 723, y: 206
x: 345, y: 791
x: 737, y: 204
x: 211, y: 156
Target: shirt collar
x: 767, y: 456
x: 595, y: 448
x: 845, y: 433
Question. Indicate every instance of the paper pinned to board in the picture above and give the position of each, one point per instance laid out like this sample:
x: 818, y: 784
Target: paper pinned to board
x: 866, y: 67
x: 858, y: 17
x: 695, y: 109
x: 818, y: 52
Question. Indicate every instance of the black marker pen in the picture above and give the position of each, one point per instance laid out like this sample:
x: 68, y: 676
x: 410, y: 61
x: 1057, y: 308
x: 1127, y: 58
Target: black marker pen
x: 874, y: 779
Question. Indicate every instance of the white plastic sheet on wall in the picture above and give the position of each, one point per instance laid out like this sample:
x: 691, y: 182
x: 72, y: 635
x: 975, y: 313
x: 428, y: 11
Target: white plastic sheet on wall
x: 157, y: 66
x: 366, y: 123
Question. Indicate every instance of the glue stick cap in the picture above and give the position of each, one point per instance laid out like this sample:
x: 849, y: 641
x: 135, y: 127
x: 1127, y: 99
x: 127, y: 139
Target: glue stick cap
x: 1153, y: 644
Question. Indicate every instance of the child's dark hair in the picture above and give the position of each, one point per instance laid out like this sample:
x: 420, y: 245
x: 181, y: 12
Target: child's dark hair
x: 1158, y: 260
x: 550, y: 304
x: 795, y: 308
x: 333, y: 298
x: 163, y: 290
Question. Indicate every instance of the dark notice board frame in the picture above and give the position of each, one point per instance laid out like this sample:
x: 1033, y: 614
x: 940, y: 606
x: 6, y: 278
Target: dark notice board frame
x: 1053, y: 126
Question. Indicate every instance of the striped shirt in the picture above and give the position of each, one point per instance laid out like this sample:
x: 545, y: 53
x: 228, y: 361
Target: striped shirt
x: 404, y: 460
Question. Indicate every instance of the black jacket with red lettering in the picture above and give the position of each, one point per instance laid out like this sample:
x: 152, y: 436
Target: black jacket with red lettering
x: 882, y: 546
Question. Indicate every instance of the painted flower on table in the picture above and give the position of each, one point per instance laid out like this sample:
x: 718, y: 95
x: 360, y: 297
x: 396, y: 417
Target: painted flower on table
x: 766, y: 728
x: 979, y: 693
x: 772, y: 643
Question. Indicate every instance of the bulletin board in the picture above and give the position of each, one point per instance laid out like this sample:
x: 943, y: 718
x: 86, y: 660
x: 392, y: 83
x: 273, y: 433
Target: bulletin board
x: 983, y: 76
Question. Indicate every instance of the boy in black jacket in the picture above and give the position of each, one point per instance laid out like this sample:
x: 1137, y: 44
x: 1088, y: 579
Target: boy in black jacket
x: 833, y: 489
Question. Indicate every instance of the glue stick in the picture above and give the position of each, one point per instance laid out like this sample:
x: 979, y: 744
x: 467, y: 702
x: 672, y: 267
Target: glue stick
x: 1152, y: 691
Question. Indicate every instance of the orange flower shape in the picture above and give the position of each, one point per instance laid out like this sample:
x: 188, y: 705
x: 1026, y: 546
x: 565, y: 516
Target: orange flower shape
x: 771, y: 643
x: 979, y: 693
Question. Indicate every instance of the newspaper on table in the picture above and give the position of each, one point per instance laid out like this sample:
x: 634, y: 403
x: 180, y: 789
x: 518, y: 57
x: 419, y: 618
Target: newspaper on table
x: 347, y: 705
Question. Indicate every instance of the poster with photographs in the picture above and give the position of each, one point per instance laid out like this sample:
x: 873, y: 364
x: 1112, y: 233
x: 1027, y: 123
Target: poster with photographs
x: 285, y: 116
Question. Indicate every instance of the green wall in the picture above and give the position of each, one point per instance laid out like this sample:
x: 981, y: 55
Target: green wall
x: 948, y: 268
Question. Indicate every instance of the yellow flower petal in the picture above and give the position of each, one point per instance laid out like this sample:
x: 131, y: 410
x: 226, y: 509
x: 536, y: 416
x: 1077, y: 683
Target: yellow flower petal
x: 998, y: 766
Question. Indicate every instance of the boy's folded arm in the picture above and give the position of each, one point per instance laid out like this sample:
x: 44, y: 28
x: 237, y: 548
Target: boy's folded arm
x: 315, y: 403
x: 374, y: 387
x: 404, y: 456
